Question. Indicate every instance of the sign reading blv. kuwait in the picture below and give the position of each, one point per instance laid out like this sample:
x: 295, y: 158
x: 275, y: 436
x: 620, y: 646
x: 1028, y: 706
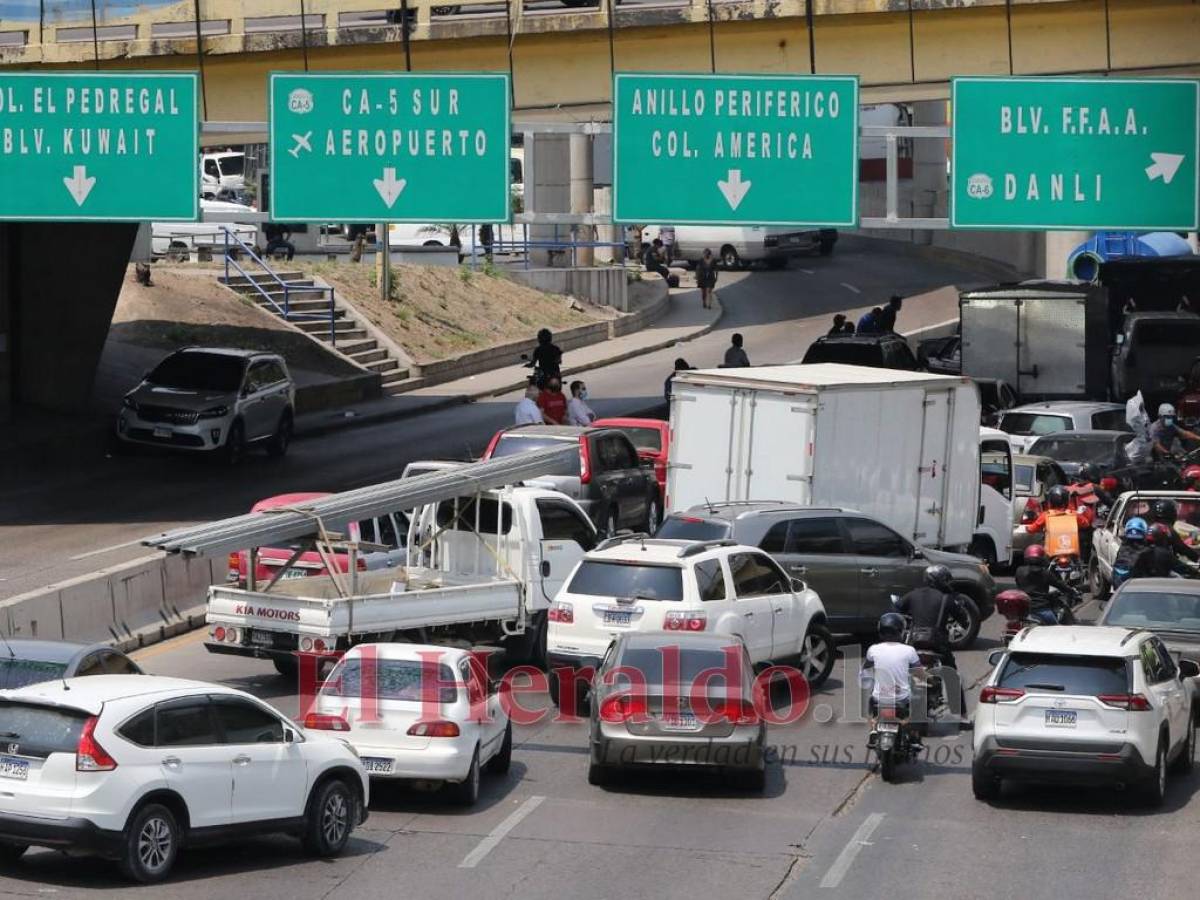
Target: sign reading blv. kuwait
x: 1075, y: 153
x: 102, y: 146
x: 735, y: 149
x: 389, y: 147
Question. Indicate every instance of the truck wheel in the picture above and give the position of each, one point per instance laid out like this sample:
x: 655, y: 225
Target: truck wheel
x: 730, y: 258
x: 287, y: 666
x: 1099, y: 588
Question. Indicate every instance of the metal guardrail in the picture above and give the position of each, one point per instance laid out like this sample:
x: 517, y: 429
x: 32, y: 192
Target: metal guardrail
x: 285, y: 311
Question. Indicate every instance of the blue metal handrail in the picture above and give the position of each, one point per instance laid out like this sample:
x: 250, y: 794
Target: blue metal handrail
x: 285, y: 311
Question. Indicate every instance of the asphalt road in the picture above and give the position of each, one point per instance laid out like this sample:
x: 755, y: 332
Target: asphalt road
x: 65, y: 521
x: 826, y: 825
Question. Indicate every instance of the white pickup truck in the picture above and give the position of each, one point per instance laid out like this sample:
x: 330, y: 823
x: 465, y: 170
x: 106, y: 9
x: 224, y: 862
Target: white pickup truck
x: 1106, y: 539
x: 483, y: 569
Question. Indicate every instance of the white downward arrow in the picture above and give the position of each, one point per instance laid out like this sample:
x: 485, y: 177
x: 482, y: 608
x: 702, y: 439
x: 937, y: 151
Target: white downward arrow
x: 734, y: 189
x: 80, y: 185
x: 1165, y: 166
x: 389, y: 186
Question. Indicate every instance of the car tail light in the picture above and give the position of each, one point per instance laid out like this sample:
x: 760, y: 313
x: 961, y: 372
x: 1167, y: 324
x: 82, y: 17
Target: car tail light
x: 1000, y: 695
x: 1131, y: 702
x: 683, y: 621
x: 563, y: 613
x: 324, y: 722
x: 440, y: 729
x: 218, y: 634
x: 1032, y: 510
x: 1063, y: 561
x: 306, y: 645
x: 888, y: 712
x: 739, y: 712
x: 585, y: 462
x: 622, y: 708
x: 89, y: 755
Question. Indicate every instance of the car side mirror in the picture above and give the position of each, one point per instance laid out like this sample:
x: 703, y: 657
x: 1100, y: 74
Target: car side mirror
x: 289, y: 736
x: 799, y: 585
x: 1120, y: 339
x: 994, y: 657
x: 1188, y: 669
x: 917, y: 553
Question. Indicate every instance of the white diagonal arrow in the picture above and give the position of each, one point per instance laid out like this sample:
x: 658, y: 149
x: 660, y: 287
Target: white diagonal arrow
x: 734, y: 189
x: 80, y: 185
x: 389, y: 186
x: 1165, y: 166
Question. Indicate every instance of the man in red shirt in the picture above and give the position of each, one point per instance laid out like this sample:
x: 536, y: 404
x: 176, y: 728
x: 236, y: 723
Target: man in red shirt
x: 553, y: 402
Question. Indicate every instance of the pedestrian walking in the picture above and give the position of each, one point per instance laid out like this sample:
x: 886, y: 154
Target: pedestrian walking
x: 552, y: 402
x: 681, y: 365
x: 885, y: 322
x: 527, y: 411
x: 735, y: 355
x: 578, y: 411
x: 706, y: 278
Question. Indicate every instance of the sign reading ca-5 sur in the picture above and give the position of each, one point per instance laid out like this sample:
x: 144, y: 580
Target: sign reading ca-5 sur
x: 1079, y: 153
x: 99, y: 146
x: 735, y: 149
x: 389, y: 147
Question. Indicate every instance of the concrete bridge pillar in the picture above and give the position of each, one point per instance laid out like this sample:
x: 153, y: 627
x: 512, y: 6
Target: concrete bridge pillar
x: 547, y: 189
x: 930, y: 184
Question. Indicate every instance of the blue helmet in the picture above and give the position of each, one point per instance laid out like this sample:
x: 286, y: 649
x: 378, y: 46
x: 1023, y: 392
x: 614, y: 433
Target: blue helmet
x: 1136, y: 529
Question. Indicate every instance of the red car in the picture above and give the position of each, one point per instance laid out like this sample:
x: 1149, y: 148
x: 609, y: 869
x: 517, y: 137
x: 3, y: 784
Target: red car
x: 651, y: 438
x: 389, y: 531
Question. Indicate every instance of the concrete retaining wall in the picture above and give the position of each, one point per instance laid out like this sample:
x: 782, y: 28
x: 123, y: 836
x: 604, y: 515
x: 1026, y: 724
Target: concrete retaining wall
x: 604, y: 285
x: 128, y: 605
x: 337, y: 393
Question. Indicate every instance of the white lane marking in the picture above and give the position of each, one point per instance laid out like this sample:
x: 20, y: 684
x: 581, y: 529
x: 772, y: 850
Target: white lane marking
x: 807, y: 271
x: 846, y: 858
x: 496, y: 835
x: 851, y: 287
x: 80, y: 556
x: 925, y: 328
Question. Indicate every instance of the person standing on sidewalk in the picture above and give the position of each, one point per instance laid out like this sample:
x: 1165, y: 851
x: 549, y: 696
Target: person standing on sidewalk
x: 735, y: 355
x: 706, y: 278
x: 578, y: 412
x: 527, y: 411
x: 885, y: 321
x: 552, y: 402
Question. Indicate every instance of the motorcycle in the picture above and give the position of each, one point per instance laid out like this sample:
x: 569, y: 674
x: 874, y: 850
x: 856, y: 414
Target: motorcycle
x: 893, y: 741
x: 1049, y: 609
x: 1069, y: 568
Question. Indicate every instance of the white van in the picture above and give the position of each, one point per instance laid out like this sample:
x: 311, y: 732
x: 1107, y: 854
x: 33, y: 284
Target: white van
x: 737, y: 245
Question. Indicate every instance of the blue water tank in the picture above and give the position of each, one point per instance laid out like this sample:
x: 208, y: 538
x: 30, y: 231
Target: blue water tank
x: 1084, y: 261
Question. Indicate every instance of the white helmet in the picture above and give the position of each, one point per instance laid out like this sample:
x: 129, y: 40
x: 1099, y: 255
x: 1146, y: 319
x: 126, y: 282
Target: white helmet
x: 1166, y: 409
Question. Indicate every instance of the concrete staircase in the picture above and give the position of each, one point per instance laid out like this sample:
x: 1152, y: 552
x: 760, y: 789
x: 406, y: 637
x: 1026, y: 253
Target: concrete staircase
x: 349, y: 337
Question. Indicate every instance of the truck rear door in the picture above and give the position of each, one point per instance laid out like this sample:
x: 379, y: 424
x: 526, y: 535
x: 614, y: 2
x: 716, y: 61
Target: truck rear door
x: 1052, y: 346
x: 777, y: 454
x: 702, y: 445
x: 928, y: 527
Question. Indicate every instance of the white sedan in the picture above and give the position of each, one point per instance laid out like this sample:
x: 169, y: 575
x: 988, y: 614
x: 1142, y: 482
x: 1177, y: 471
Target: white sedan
x: 417, y: 713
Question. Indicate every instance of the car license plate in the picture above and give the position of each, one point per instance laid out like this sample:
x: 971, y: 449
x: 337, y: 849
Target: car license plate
x: 1060, y: 718
x: 294, y: 573
x: 889, y: 726
x: 162, y: 433
x: 11, y: 767
x: 681, y: 722
x: 618, y: 617
x: 377, y: 765
x: 262, y: 638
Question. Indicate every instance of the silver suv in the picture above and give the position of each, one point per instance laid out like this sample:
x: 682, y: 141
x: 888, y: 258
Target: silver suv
x: 852, y: 561
x: 216, y: 400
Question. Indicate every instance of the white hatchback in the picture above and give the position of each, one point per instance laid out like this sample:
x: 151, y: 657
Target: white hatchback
x: 134, y: 767
x: 719, y: 587
x: 1088, y: 704
x: 418, y: 713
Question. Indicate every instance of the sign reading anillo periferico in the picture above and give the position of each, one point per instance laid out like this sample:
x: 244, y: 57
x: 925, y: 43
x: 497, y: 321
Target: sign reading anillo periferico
x: 389, y: 147
x: 99, y: 146
x: 735, y: 149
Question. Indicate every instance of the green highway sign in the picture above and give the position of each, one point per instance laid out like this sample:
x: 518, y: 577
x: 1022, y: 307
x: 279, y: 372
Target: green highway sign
x: 101, y: 146
x: 389, y: 147
x: 1075, y: 153
x: 735, y: 149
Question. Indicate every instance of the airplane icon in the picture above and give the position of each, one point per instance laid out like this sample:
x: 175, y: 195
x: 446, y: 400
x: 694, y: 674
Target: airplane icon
x: 302, y: 143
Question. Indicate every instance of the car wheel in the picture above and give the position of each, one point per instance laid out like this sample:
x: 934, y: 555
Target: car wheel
x: 1096, y: 583
x: 598, y: 774
x: 330, y: 819
x: 817, y: 654
x: 963, y: 627
x: 466, y: 792
x: 1154, y: 791
x: 235, y: 444
x: 552, y: 687
x: 826, y: 248
x: 151, y: 843
x: 277, y: 446
x: 730, y: 258
x: 1187, y: 754
x: 984, y: 784
x: 10, y: 853
x: 652, y: 515
x: 500, y: 763
x: 287, y: 666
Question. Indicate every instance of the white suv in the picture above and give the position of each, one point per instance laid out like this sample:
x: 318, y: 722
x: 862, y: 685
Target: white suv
x: 1094, y: 704
x: 719, y: 587
x: 133, y: 767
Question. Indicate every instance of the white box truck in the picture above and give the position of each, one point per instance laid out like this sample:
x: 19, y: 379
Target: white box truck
x: 903, y: 447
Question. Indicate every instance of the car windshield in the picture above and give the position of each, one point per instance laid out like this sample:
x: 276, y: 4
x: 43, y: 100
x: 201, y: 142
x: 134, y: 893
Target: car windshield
x: 394, y: 679
x: 1110, y: 420
x: 1168, y: 333
x: 1033, y: 423
x: 511, y: 444
x: 1155, y: 609
x: 1097, y: 451
x: 1087, y: 676
x: 619, y: 579
x: 232, y: 165
x: 864, y: 354
x: 649, y: 662
x: 691, y: 528
x: 199, y: 372
x: 15, y: 673
x: 644, y: 438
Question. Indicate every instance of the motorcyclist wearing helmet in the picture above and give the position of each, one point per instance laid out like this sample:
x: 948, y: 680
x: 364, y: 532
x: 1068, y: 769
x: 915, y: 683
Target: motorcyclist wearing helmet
x: 1158, y: 560
x: 1089, y: 488
x: 1058, y: 500
x: 1167, y: 435
x: 1036, y: 578
x: 893, y: 665
x: 1133, y: 542
x: 932, y: 607
x: 1191, y: 478
x: 546, y: 356
x: 1165, y: 512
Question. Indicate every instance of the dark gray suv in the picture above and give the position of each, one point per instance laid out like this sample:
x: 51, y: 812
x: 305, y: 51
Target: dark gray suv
x: 852, y: 561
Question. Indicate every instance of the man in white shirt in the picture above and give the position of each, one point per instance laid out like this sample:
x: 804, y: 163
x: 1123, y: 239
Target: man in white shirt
x: 527, y: 411
x: 893, y: 665
x: 578, y: 412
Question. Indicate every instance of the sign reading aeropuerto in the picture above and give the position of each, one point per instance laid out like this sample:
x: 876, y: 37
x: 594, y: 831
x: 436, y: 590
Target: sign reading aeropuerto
x: 108, y: 146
